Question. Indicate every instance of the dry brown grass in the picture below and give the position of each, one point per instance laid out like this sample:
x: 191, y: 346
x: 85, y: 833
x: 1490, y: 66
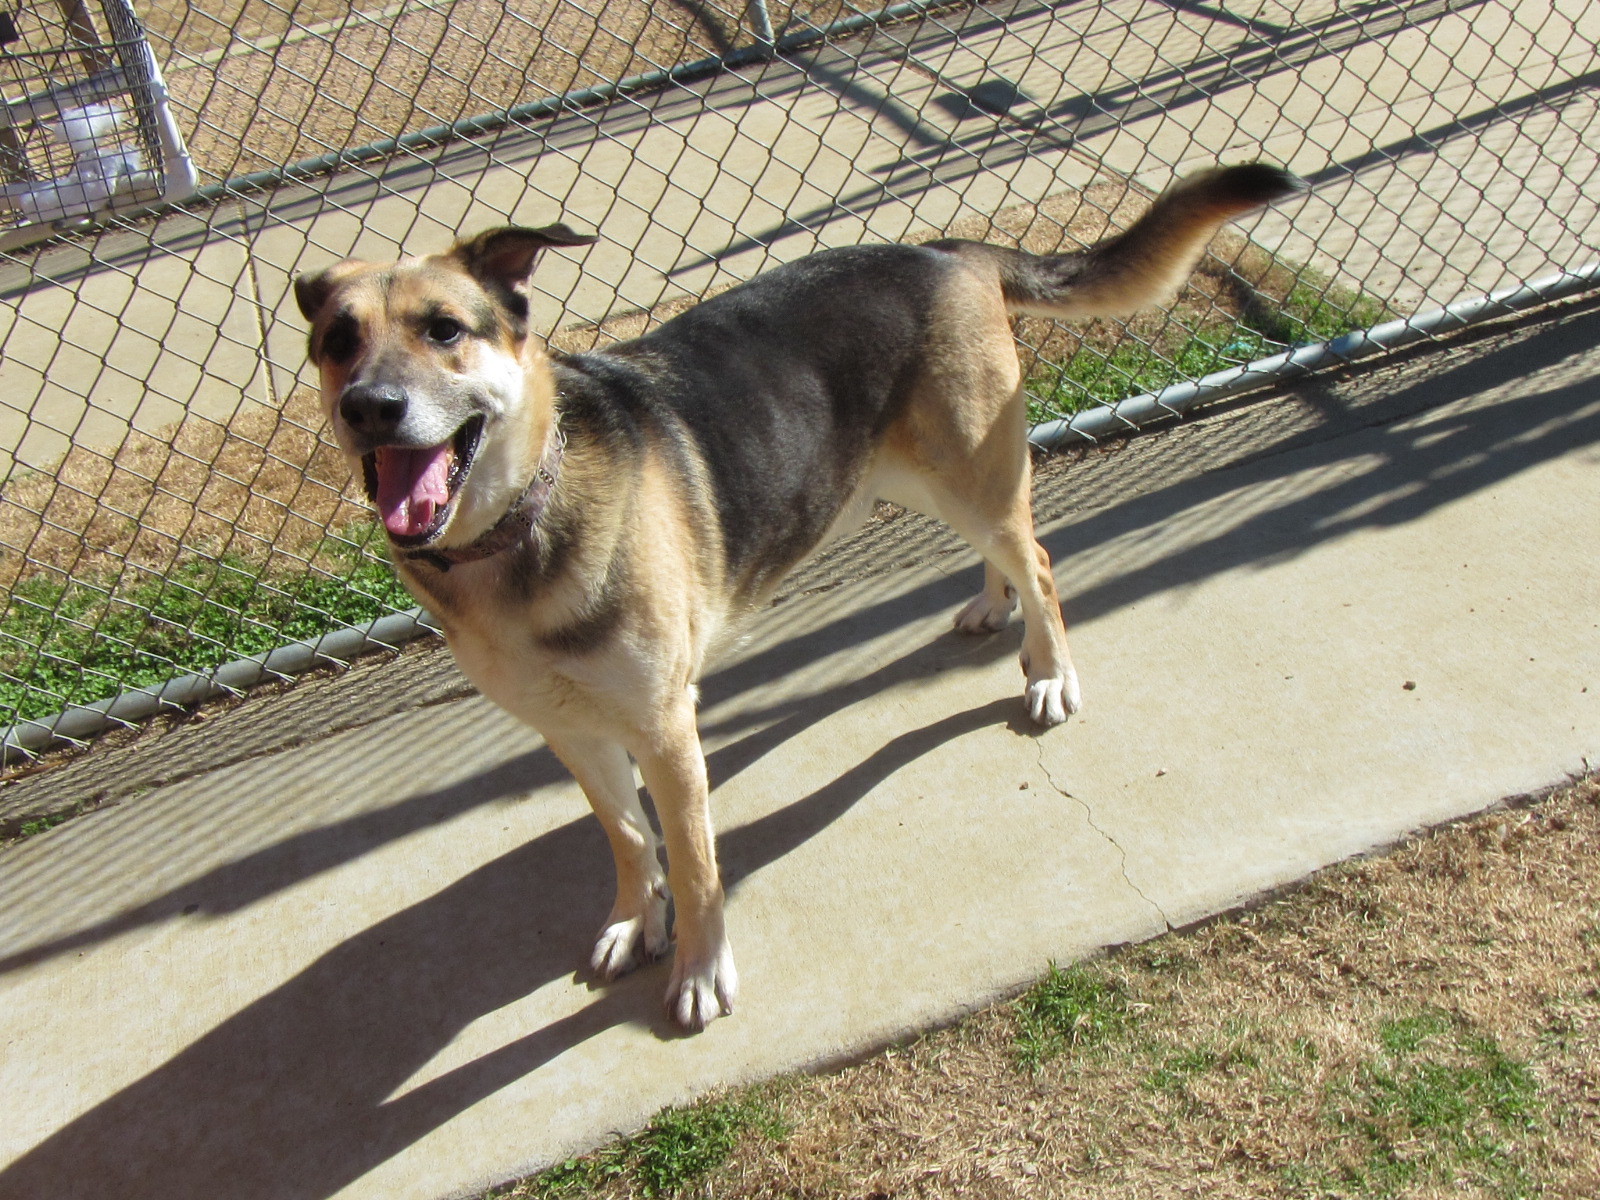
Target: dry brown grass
x: 267, y: 483
x: 1256, y: 1049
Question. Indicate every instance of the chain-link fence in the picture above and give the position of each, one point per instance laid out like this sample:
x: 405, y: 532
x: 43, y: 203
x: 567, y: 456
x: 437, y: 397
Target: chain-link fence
x: 171, y: 502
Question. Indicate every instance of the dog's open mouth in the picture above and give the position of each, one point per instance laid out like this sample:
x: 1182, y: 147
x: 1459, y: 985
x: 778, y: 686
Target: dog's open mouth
x: 415, y: 487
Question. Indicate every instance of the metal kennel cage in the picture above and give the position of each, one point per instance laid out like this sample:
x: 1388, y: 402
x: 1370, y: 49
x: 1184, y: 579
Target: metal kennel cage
x: 85, y: 127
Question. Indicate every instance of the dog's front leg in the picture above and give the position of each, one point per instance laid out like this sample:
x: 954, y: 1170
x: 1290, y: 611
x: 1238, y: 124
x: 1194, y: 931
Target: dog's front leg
x: 636, y: 930
x: 704, y: 981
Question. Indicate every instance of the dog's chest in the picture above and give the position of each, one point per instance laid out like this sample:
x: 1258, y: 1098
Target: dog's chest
x: 536, y: 685
x: 551, y: 689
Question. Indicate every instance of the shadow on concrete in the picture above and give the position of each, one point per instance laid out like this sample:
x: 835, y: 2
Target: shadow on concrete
x: 1553, y: 98
x: 245, y: 881
x: 1416, y: 471
x: 1019, y: 130
x: 296, y: 1094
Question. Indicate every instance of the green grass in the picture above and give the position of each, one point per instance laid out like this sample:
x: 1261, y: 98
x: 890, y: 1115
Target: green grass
x: 679, y: 1147
x: 684, y: 1144
x: 1314, y: 311
x: 1438, y: 1105
x: 1075, y: 1008
x: 573, y: 1178
x: 20, y: 826
x: 72, y: 641
x: 40, y: 825
x: 1408, y: 1034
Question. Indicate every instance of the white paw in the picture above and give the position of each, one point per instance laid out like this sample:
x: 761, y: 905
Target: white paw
x: 702, y: 989
x: 985, y: 615
x: 1052, y: 700
x: 628, y: 942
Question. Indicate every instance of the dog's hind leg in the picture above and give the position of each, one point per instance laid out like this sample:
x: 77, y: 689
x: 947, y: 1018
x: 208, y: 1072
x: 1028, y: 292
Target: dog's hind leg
x: 636, y: 930
x: 977, y: 479
x: 997, y: 521
x: 704, y: 981
x: 1010, y: 551
x: 991, y: 609
x: 962, y: 455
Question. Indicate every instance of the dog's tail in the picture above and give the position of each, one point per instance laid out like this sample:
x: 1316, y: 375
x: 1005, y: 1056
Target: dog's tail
x: 1146, y: 263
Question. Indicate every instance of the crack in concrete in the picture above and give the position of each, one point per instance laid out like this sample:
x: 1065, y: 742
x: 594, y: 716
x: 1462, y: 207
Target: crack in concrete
x: 1122, y: 855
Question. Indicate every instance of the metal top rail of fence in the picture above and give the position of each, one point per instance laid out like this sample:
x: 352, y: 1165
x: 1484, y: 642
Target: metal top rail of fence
x: 174, y: 520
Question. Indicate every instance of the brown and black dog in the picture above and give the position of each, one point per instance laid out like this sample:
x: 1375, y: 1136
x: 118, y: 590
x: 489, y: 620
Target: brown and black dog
x: 585, y: 526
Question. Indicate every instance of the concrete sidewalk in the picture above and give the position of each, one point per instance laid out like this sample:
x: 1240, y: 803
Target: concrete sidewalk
x: 337, y: 957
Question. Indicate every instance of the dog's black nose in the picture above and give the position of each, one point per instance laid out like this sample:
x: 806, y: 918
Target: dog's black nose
x: 375, y: 409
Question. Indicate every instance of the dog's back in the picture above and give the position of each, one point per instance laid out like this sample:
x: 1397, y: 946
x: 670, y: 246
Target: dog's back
x: 785, y: 387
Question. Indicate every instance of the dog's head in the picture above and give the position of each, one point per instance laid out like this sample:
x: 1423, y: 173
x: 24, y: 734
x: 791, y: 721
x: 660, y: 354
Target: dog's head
x: 433, y: 381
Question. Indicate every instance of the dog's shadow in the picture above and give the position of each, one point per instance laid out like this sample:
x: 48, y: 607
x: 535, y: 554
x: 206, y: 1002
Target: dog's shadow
x: 309, y: 1087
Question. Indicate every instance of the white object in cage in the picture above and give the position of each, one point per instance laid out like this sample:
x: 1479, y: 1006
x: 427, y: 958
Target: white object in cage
x: 91, y: 127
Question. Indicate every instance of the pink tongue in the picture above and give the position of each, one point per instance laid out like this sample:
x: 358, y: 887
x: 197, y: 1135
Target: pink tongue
x: 412, y: 486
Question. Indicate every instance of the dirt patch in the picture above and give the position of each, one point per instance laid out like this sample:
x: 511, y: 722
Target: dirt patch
x: 207, y: 26
x: 1425, y: 1024
x: 354, y: 80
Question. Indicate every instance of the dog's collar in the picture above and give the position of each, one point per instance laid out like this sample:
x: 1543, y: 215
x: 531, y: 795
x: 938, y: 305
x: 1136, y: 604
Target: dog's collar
x: 511, y: 528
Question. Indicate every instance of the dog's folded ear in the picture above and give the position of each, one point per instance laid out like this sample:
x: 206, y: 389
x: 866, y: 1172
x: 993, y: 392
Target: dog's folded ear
x: 311, y: 290
x: 504, y: 258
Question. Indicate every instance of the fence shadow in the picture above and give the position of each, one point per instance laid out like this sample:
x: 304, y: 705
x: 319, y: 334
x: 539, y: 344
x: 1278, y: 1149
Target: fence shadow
x: 1009, y: 134
x: 936, y: 157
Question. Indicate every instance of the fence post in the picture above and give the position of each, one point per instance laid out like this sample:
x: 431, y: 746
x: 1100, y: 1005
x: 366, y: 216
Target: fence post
x: 762, y: 20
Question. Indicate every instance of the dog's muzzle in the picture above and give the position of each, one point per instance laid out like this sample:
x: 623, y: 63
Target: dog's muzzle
x: 414, y: 486
x: 373, y: 411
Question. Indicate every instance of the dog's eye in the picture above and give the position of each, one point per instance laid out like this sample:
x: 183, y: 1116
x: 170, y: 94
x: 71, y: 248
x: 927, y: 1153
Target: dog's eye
x: 445, y: 330
x: 341, y: 339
